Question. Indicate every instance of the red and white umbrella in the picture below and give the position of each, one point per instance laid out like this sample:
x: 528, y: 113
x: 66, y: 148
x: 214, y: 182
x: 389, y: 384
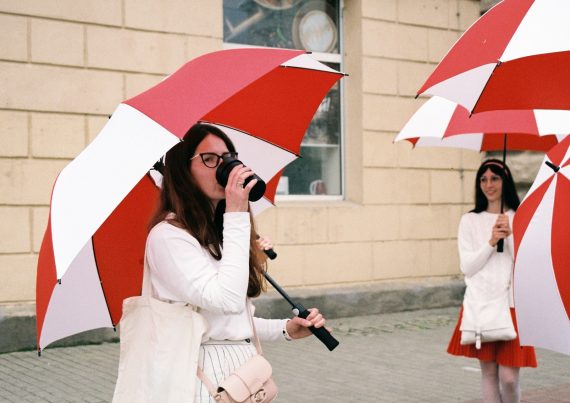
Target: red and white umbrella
x: 541, y: 231
x: 443, y: 123
x: 516, y: 56
x: 92, y: 253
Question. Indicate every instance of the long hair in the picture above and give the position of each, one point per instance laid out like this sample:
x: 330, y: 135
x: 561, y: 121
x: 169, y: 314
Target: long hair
x: 510, y: 196
x: 194, y: 211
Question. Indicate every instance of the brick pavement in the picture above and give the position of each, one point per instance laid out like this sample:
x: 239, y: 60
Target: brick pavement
x: 382, y: 358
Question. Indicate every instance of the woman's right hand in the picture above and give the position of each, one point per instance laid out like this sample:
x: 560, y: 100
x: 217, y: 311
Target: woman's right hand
x: 297, y: 327
x: 237, y: 196
x: 501, y: 230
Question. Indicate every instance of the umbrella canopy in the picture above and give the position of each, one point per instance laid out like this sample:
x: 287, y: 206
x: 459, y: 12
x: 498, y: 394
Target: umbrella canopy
x: 443, y: 123
x: 542, y: 255
x: 91, y: 257
x: 516, y: 56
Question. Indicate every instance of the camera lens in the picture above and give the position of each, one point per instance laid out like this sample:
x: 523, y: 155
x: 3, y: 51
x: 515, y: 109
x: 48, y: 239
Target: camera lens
x: 223, y: 173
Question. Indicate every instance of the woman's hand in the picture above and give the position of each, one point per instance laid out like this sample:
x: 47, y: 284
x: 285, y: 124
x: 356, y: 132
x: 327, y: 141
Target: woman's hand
x: 237, y: 196
x: 264, y: 243
x: 298, y: 327
x: 501, y: 229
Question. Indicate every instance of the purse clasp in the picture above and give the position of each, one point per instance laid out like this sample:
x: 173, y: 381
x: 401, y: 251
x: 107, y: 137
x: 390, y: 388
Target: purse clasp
x: 259, y: 396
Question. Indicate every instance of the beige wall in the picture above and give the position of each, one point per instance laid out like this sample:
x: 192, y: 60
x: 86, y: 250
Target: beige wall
x: 66, y: 64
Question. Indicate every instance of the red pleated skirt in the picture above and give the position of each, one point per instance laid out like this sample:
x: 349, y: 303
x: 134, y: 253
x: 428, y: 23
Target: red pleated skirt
x: 506, y: 353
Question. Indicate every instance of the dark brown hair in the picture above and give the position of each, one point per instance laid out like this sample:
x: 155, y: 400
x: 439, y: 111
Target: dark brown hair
x: 194, y: 211
x: 510, y: 197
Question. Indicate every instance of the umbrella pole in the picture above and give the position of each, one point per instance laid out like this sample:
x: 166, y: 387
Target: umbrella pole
x: 299, y: 310
x: 501, y: 243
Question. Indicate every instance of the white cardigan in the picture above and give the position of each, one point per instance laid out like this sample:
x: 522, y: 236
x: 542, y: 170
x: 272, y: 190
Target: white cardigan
x: 487, y: 272
x: 181, y: 270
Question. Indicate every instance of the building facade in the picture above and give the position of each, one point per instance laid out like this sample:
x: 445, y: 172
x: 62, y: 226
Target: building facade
x: 393, y: 215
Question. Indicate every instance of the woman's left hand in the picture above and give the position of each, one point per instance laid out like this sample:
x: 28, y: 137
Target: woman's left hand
x: 264, y: 243
x: 503, y: 224
x: 298, y: 327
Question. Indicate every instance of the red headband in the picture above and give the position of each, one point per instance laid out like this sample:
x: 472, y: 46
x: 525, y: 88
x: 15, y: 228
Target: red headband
x: 504, y: 168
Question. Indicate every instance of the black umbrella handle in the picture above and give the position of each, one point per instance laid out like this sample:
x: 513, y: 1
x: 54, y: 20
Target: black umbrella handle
x: 269, y: 252
x: 320, y: 332
x: 501, y: 245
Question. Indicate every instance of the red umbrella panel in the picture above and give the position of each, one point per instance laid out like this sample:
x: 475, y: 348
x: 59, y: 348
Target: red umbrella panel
x: 516, y: 56
x: 92, y: 253
x: 443, y: 123
x: 541, y: 231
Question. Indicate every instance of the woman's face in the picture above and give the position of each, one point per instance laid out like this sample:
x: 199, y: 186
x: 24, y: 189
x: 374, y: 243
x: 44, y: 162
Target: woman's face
x: 491, y: 185
x: 205, y: 176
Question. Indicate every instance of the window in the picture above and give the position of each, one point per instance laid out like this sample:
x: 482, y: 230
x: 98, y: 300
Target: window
x: 312, y: 25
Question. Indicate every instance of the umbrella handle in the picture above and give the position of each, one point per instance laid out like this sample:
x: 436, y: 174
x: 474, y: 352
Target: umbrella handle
x: 501, y: 245
x: 321, y: 333
x: 270, y: 253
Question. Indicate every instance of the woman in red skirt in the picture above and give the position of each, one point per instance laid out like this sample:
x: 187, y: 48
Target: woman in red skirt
x: 487, y: 273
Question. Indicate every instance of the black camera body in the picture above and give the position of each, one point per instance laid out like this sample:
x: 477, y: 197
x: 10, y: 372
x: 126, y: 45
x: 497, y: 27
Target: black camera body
x: 223, y: 172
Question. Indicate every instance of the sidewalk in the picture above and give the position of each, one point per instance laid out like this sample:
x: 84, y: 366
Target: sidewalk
x: 397, y: 357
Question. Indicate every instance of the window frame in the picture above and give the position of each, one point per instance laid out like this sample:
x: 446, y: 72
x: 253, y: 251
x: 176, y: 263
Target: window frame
x: 326, y: 58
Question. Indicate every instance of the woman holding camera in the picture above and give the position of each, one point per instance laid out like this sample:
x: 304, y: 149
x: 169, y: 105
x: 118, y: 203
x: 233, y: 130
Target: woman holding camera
x: 203, y: 250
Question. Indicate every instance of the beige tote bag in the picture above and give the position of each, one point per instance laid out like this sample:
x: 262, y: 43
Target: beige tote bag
x: 159, y: 350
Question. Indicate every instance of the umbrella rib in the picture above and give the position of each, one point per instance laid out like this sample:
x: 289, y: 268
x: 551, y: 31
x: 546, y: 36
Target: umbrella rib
x: 308, y: 68
x: 265, y: 74
x: 250, y: 135
x: 485, y: 86
x: 270, y: 202
x: 101, y: 283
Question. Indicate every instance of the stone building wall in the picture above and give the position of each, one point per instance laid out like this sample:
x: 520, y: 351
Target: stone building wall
x: 66, y: 64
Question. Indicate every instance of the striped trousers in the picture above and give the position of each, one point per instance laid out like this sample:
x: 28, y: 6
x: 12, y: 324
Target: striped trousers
x: 218, y: 359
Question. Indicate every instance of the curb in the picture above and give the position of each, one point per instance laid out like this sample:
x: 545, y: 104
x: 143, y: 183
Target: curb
x: 18, y: 330
x: 18, y: 321
x: 341, y: 302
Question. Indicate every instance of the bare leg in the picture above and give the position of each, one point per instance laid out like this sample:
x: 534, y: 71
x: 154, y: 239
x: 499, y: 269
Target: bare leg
x: 490, y: 382
x: 509, y: 382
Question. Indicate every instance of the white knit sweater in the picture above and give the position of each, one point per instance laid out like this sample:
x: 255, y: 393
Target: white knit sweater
x: 181, y: 270
x: 487, y: 272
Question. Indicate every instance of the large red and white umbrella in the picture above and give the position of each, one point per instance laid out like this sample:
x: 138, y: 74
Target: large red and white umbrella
x: 516, y: 56
x: 443, y: 123
x: 92, y: 253
x: 541, y: 231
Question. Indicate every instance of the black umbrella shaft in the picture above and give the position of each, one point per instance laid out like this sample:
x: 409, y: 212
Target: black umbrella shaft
x: 501, y: 243
x: 280, y: 290
x: 299, y: 310
x: 504, y: 169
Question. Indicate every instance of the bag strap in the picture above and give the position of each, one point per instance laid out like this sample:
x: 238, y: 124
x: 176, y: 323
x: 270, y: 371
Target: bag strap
x: 257, y: 343
x: 146, y: 286
x: 200, y: 373
x: 211, y: 388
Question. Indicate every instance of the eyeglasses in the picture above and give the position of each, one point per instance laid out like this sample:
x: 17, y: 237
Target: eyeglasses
x: 212, y: 160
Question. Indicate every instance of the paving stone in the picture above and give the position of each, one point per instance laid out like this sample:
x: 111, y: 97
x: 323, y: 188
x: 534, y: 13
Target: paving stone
x: 397, y: 357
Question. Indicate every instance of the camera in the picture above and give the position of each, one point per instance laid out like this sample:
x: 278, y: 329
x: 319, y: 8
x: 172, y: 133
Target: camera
x: 223, y: 172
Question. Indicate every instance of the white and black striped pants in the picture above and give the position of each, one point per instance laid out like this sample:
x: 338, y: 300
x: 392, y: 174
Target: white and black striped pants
x: 218, y: 359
